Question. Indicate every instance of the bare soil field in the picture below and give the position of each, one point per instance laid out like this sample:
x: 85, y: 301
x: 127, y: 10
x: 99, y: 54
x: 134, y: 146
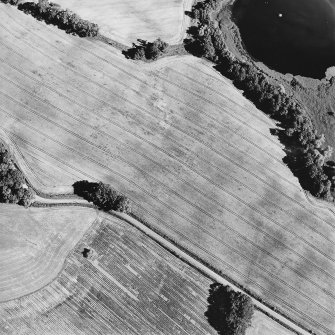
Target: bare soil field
x: 34, y: 244
x: 127, y: 20
x: 193, y: 154
x: 127, y: 285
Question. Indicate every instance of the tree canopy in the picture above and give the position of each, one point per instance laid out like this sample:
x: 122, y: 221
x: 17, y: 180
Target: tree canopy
x: 13, y: 188
x: 229, y: 312
x: 103, y: 196
x: 147, y: 50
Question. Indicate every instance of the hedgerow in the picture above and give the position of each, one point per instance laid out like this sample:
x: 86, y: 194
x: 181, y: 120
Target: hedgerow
x: 52, y: 13
x: 103, y: 196
x: 306, y: 155
x: 13, y: 187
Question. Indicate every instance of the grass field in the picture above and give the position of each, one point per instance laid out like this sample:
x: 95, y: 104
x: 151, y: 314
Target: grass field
x: 126, y: 21
x: 129, y: 285
x: 34, y: 244
x: 196, y: 157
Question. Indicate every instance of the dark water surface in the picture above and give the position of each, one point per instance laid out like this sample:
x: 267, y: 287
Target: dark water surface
x: 294, y: 36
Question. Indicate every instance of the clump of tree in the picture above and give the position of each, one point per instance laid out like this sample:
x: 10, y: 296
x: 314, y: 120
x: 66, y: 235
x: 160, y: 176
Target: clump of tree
x: 147, y: 50
x: 229, y: 312
x: 103, y: 196
x: 66, y: 20
x: 13, y: 187
x: 306, y: 154
x: 11, y: 2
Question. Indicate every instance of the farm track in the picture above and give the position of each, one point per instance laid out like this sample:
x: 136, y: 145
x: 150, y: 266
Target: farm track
x: 101, y: 86
x: 129, y: 315
x: 123, y: 69
x: 160, y: 149
x: 228, y: 158
x: 167, y: 191
x: 207, y: 179
x: 110, y: 285
x: 213, y: 256
x: 208, y: 214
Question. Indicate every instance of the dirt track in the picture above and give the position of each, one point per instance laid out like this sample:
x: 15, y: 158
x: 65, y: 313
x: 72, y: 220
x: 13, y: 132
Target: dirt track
x: 183, y: 143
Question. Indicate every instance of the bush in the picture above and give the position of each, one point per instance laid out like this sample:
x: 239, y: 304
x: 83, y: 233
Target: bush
x: 13, y: 188
x: 103, y: 196
x: 64, y: 19
x: 229, y: 312
x: 147, y: 50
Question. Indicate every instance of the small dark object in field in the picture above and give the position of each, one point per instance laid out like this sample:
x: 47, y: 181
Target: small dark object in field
x: 86, y: 252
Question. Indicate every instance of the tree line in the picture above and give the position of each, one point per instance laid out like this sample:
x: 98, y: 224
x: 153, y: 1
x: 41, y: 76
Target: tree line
x: 306, y: 153
x: 52, y: 13
x: 13, y: 187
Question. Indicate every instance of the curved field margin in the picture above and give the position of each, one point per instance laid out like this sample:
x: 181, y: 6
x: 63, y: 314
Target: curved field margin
x: 194, y: 155
x: 128, y: 285
x: 127, y: 20
x: 34, y: 244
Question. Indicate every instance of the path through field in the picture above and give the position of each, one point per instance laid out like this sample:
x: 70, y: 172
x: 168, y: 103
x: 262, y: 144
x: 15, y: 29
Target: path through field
x: 195, y: 156
x: 128, y: 285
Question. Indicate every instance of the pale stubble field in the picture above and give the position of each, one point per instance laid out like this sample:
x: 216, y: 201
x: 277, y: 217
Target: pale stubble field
x: 195, y: 156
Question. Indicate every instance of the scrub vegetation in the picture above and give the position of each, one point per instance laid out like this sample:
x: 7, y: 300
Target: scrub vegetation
x: 147, y: 50
x: 306, y: 153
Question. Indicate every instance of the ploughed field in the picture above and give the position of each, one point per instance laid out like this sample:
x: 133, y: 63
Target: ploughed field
x: 127, y: 285
x: 34, y: 244
x: 196, y: 157
x: 127, y: 20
